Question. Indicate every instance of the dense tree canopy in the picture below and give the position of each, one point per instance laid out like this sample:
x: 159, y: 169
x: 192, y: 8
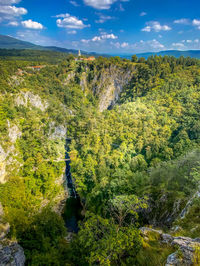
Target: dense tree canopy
x: 144, y: 149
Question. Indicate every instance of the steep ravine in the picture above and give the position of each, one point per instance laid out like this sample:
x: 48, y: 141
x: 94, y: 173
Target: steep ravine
x: 72, y: 210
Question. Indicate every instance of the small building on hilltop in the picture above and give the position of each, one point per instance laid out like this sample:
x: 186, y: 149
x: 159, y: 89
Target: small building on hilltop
x: 91, y: 58
x: 79, y: 58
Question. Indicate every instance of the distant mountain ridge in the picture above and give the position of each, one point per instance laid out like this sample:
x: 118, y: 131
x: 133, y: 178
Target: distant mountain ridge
x: 175, y: 53
x: 7, y: 42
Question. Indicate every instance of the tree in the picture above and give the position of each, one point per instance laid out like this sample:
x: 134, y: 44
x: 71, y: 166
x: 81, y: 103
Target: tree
x: 101, y: 242
x: 141, y: 60
x: 122, y: 206
x: 134, y: 58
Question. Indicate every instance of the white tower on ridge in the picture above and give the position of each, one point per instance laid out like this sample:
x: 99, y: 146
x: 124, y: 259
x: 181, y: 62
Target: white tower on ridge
x: 79, y: 53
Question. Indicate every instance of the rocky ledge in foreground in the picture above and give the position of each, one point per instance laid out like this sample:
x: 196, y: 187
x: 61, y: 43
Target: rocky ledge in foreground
x: 11, y: 253
x: 187, y: 248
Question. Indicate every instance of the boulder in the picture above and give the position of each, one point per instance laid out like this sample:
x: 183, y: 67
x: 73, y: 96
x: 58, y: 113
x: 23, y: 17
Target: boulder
x: 185, y: 247
x: 11, y: 254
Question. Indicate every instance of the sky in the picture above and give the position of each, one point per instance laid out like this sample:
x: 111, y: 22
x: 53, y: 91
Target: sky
x: 104, y: 26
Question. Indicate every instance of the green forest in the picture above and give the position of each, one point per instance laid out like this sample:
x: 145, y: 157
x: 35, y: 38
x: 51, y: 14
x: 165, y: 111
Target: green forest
x: 135, y: 163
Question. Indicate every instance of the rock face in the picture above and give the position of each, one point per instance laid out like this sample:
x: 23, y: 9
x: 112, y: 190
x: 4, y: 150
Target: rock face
x: 26, y: 98
x: 11, y: 253
x: 57, y: 132
x: 159, y: 213
x: 6, y: 157
x: 185, y: 245
x: 189, y: 203
x: 109, y: 84
x: 13, y: 132
x: 3, y: 156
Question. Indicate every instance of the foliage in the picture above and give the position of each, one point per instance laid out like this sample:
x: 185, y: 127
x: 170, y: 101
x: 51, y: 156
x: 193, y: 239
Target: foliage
x: 145, y: 150
x: 100, y: 241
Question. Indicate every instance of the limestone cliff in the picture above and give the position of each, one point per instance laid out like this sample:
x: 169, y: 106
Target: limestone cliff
x: 109, y: 84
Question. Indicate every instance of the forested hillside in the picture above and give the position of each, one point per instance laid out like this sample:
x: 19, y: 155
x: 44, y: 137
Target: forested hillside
x: 134, y: 131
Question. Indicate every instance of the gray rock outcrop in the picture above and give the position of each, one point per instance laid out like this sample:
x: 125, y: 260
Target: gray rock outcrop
x: 57, y: 132
x: 11, y: 253
x: 109, y: 85
x: 13, y: 132
x: 25, y: 98
x: 186, y: 247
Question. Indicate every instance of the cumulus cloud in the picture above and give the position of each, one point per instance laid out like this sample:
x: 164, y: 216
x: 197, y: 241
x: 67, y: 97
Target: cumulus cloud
x: 101, y: 4
x: 155, y: 26
x: 12, y: 10
x: 70, y: 22
x: 29, y: 24
x: 120, y: 45
x: 9, y: 2
x: 183, y: 21
x: 9, y: 12
x: 13, y: 23
x: 102, y: 37
x: 196, y: 23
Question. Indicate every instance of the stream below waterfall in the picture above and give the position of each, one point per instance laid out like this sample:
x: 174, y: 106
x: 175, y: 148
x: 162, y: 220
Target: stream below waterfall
x: 72, y: 211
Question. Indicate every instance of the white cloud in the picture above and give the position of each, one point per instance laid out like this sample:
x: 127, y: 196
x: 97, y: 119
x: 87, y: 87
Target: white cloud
x: 155, y: 44
x: 8, y: 12
x: 70, y: 22
x: 101, y: 4
x: 85, y: 41
x: 13, y: 23
x: 29, y: 24
x: 9, y: 2
x: 124, y: 45
x: 104, y: 37
x: 155, y: 26
x: 103, y: 18
x: 150, y: 45
x: 12, y: 10
x: 74, y: 3
x: 196, y: 23
x: 100, y: 38
x: 190, y: 41
x: 178, y: 45
x: 141, y: 46
x: 142, y: 14
x: 183, y: 21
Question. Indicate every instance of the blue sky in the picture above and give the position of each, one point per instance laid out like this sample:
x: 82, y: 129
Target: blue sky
x: 109, y: 26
